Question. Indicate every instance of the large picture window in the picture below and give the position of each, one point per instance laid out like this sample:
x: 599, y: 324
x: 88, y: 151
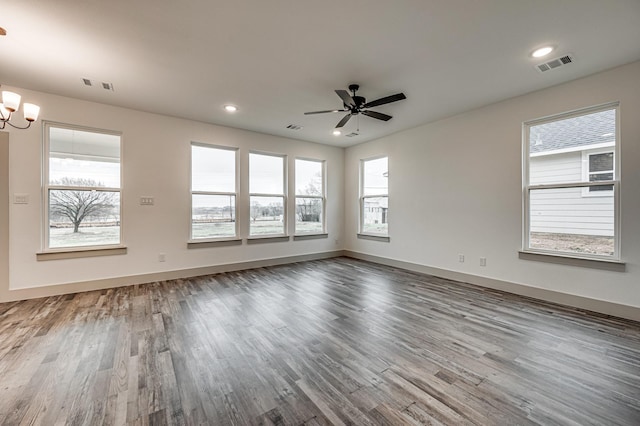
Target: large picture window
x: 571, y: 182
x: 374, y: 197
x: 267, y: 200
x: 213, y: 192
x: 81, y: 187
x: 310, y: 199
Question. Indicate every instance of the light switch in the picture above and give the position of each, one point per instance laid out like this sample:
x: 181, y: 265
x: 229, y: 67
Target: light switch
x: 146, y: 200
x: 20, y: 198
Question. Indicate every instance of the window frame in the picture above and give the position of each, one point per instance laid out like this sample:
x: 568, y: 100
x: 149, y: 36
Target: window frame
x: 47, y: 187
x: 363, y: 197
x: 285, y: 210
x: 221, y: 193
x: 527, y: 188
x: 322, y: 197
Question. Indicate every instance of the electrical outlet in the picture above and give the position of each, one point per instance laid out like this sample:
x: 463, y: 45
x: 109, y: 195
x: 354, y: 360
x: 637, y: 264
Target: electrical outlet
x: 162, y: 257
x: 146, y: 200
x: 483, y: 261
x: 461, y: 258
x: 20, y: 198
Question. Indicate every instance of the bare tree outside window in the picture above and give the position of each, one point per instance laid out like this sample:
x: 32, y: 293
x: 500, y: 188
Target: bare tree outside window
x: 267, y: 194
x: 82, y: 187
x: 309, y: 196
x: 78, y: 205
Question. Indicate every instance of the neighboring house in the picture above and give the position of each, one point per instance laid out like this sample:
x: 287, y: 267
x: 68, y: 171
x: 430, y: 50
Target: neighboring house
x: 375, y: 210
x: 586, y: 156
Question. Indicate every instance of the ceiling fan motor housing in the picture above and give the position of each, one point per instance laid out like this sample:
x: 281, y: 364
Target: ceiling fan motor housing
x: 359, y: 101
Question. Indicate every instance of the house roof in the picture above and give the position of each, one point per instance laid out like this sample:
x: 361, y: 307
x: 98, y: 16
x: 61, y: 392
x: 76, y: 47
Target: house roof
x: 582, y: 131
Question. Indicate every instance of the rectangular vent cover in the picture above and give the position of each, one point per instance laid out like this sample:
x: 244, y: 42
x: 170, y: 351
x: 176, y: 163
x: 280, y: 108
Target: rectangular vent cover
x: 555, y: 63
x: 294, y: 127
x: 107, y: 86
x: 352, y: 134
x: 87, y: 82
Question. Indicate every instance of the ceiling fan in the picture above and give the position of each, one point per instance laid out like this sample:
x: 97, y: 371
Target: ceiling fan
x: 355, y: 105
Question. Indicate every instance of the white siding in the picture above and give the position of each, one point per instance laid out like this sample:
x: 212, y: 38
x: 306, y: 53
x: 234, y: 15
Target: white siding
x: 560, y: 168
x: 569, y: 210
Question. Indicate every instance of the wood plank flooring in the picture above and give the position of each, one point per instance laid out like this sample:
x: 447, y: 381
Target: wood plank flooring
x: 336, y: 341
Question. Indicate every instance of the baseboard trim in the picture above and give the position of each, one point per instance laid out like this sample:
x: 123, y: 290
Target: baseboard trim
x: 600, y: 306
x: 102, y: 284
x: 580, y: 302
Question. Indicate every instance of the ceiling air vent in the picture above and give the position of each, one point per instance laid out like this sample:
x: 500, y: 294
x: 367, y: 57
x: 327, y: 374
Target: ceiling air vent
x: 294, y: 127
x: 555, y: 63
x: 107, y: 86
x: 87, y: 82
x: 352, y: 134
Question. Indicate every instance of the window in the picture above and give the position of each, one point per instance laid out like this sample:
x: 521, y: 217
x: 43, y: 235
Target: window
x: 82, y: 187
x: 598, y: 166
x: 267, y: 199
x: 310, y: 201
x: 213, y: 192
x: 374, y: 197
x: 571, y: 184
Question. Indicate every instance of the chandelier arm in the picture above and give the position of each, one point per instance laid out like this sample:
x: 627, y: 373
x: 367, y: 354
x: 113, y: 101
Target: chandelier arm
x: 14, y: 126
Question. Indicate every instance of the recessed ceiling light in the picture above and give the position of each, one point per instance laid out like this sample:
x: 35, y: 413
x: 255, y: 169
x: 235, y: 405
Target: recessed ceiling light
x: 543, y: 51
x: 230, y: 108
x: 337, y: 133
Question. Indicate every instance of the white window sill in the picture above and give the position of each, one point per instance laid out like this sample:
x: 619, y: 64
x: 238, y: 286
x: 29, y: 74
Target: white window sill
x: 77, y: 253
x: 268, y: 239
x: 373, y: 237
x: 301, y: 237
x: 569, y: 260
x: 204, y: 243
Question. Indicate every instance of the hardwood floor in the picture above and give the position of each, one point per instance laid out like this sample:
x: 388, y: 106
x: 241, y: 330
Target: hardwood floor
x: 335, y: 341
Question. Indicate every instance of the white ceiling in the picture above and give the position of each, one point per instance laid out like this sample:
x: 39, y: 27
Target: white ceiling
x: 276, y: 59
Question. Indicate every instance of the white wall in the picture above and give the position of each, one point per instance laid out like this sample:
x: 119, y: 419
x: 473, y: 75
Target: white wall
x: 156, y: 158
x: 456, y: 188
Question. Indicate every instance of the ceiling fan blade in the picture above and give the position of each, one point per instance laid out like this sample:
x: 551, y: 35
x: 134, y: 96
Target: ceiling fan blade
x: 378, y: 115
x: 322, y: 112
x: 343, y: 121
x: 385, y: 100
x: 346, y: 98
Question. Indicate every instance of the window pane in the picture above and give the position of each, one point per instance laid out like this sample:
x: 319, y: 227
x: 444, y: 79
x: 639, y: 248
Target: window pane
x: 213, y: 169
x: 266, y: 174
x: 595, y: 177
x: 600, y: 177
x: 308, y: 215
x: 555, y: 148
x: 83, y: 218
x: 79, y: 158
x: 267, y: 215
x: 601, y: 162
x: 308, y: 177
x: 375, y: 177
x: 213, y: 216
x: 375, y: 215
x: 561, y: 219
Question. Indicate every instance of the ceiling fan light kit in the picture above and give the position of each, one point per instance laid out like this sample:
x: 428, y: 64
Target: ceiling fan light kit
x: 354, y: 105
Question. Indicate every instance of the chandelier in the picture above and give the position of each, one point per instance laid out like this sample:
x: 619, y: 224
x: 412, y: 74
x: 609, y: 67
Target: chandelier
x: 10, y: 104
